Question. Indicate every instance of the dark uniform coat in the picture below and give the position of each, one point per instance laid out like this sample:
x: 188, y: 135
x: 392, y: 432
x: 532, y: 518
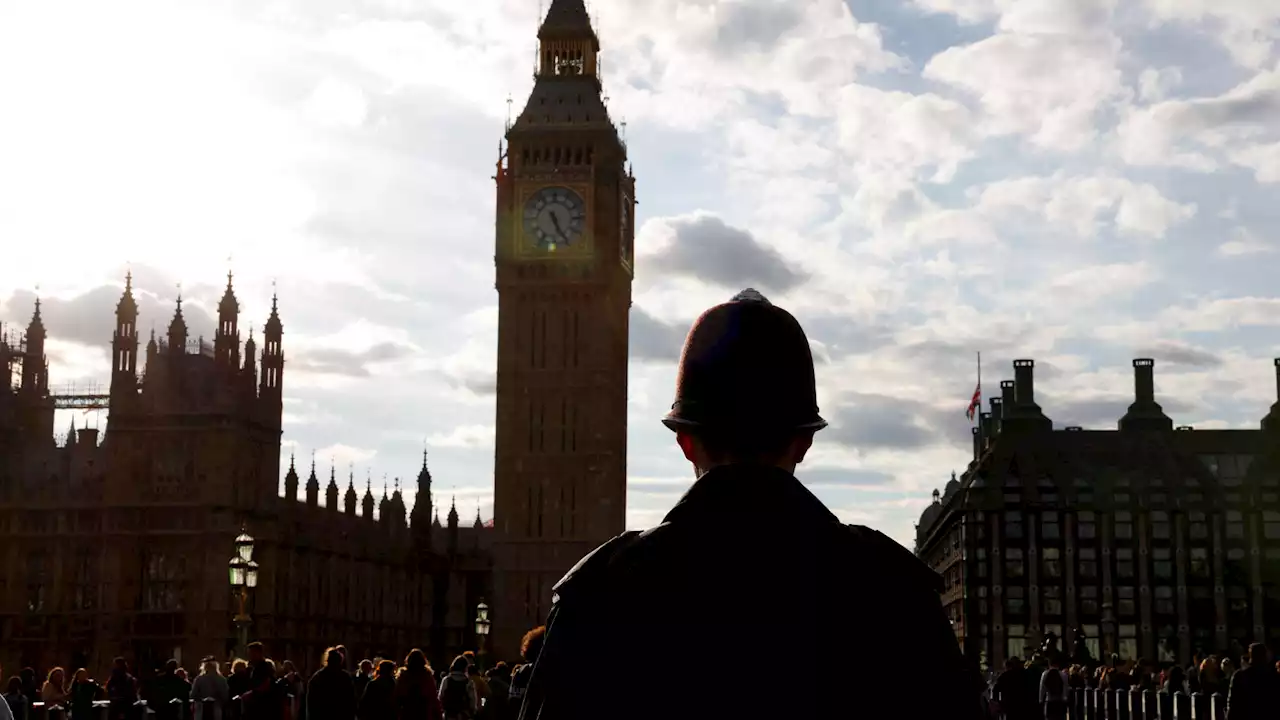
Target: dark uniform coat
x: 751, y: 600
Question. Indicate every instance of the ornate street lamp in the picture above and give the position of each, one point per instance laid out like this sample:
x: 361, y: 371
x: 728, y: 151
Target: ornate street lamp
x: 482, y: 625
x: 242, y: 571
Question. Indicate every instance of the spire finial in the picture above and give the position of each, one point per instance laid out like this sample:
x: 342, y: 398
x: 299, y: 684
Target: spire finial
x: 313, y: 462
x: 128, y: 280
x: 384, y: 486
x: 290, y: 459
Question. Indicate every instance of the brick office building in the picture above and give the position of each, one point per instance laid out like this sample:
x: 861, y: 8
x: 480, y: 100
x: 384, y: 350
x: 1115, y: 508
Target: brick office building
x: 1157, y: 541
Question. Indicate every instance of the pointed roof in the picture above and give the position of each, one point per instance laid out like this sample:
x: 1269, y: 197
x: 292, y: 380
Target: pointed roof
x: 71, y: 434
x: 479, y: 522
x: 178, y: 325
x: 333, y: 478
x: 36, y: 326
x: 228, y: 306
x: 292, y: 475
x: 435, y: 521
x: 127, y: 307
x: 312, y: 480
x: 567, y: 18
x: 424, y: 475
x: 273, y: 327
x: 453, y: 512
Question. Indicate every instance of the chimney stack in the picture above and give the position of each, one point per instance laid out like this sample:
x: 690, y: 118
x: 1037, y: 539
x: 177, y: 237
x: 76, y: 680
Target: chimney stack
x: 1144, y: 381
x: 1272, y: 420
x: 1145, y: 413
x: 977, y: 441
x: 1020, y: 399
x: 988, y: 425
x: 1024, y: 382
x: 1008, y: 397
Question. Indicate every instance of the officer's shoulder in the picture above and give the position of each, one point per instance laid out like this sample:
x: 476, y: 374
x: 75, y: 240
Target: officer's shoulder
x: 602, y: 562
x: 886, y: 556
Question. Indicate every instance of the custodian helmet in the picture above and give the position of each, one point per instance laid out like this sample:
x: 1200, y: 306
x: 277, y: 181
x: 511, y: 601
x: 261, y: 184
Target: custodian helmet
x: 746, y: 366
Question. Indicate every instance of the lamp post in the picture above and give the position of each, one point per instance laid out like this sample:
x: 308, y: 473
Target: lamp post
x: 243, y: 574
x: 482, y: 628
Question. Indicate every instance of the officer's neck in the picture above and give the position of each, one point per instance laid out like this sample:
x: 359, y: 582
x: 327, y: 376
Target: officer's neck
x: 702, y: 468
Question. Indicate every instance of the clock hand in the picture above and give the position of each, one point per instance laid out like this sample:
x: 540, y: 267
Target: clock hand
x: 555, y: 222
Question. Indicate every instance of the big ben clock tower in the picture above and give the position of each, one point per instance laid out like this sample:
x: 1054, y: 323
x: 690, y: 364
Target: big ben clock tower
x: 563, y: 255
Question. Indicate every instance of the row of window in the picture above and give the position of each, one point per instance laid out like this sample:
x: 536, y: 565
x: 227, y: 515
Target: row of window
x: 1160, y: 522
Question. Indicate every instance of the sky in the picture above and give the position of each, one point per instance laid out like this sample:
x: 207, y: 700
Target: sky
x: 1080, y: 182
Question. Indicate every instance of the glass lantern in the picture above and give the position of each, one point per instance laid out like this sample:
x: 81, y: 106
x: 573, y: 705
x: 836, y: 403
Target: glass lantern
x: 237, y: 570
x: 251, y: 574
x: 244, y: 546
x: 482, y: 619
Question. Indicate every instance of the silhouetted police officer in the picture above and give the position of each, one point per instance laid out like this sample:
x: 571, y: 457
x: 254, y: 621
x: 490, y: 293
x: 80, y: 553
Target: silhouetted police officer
x: 751, y: 599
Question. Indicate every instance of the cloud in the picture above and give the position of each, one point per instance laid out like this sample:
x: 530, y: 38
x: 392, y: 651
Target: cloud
x: 1244, y: 242
x: 465, y: 436
x: 702, y: 246
x: 1177, y: 353
x: 336, y: 361
x: 653, y: 339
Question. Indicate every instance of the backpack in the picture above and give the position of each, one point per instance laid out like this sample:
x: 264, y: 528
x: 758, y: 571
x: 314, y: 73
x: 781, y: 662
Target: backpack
x: 455, y: 698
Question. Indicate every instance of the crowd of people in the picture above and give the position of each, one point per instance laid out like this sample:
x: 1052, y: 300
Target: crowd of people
x: 259, y: 688
x: 1044, y: 687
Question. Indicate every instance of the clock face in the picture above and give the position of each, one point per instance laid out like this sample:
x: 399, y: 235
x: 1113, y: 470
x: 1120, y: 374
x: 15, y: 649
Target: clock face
x: 554, y: 217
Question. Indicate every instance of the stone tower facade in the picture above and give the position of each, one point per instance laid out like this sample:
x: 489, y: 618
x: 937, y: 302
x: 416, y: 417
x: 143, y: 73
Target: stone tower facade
x: 563, y: 255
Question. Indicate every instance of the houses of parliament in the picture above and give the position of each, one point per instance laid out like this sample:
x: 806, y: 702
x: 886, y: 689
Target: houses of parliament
x: 119, y: 545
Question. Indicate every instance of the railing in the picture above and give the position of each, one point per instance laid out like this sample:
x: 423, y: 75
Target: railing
x: 1138, y: 704
x: 206, y: 709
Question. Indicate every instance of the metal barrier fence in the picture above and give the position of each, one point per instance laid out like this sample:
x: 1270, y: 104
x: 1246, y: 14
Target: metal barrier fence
x: 1138, y: 704
x: 206, y: 709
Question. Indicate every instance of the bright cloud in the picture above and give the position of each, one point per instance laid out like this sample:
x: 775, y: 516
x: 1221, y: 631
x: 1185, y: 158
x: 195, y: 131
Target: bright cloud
x: 918, y: 182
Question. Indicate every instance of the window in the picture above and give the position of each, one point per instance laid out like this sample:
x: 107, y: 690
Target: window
x: 1086, y: 526
x: 1015, y: 640
x: 1089, y: 599
x: 1271, y: 525
x: 1199, y: 525
x: 1124, y: 563
x: 85, y: 594
x: 1088, y: 563
x: 1052, y: 563
x: 1164, y: 600
x: 1128, y: 649
x: 1049, y: 528
x: 37, y: 580
x: 1015, y: 600
x: 1235, y: 525
x: 1163, y: 563
x: 1126, y: 606
x: 1013, y: 565
x: 1052, y: 600
x: 1160, y: 527
x: 1091, y: 640
x: 1124, y: 525
x: 161, y: 576
x: 1200, y: 563
x: 1013, y: 525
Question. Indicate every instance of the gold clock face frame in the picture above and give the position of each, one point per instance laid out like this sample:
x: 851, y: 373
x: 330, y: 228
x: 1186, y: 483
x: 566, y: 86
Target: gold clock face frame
x: 554, y: 220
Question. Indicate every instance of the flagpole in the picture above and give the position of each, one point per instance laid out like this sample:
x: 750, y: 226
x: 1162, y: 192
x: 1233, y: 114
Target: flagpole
x: 977, y: 415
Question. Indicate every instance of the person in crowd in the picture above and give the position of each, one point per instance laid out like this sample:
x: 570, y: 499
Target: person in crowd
x: 122, y: 691
x: 292, y: 689
x: 458, y: 693
x: 478, y: 679
x: 331, y: 694
x: 415, y: 694
x: 362, y: 677
x: 1175, y: 681
x: 16, y: 703
x: 82, y: 693
x: 259, y: 701
x: 499, y: 678
x: 377, y: 700
x: 530, y: 648
x: 745, y: 415
x: 30, y: 687
x: 162, y: 690
x: 1255, y: 691
x: 1211, y: 679
x: 1013, y: 698
x: 1053, y: 690
x: 210, y: 685
x: 54, y: 690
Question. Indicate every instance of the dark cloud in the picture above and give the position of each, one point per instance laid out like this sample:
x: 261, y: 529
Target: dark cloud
x: 90, y: 318
x: 655, y: 340
x: 333, y: 361
x: 706, y: 248
x: 843, y: 477
x: 748, y: 26
x: 1176, y: 353
x: 869, y: 421
x: 1105, y: 413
